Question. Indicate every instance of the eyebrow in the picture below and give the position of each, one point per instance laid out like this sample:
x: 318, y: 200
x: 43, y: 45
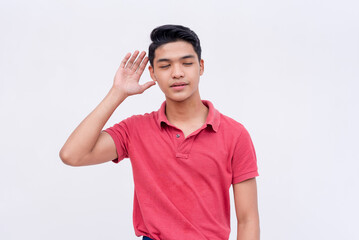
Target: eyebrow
x: 169, y: 60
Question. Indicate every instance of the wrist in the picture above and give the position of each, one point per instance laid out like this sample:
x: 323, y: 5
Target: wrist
x: 117, y: 95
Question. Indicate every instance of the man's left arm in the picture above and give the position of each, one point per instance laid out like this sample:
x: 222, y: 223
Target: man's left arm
x: 245, y: 199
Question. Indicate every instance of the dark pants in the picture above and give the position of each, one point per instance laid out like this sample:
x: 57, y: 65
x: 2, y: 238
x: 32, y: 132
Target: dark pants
x: 146, y: 238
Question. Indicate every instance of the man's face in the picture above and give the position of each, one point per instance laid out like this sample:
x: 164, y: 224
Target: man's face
x: 177, y: 70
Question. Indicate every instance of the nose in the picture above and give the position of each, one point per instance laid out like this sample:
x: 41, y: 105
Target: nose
x: 177, y: 71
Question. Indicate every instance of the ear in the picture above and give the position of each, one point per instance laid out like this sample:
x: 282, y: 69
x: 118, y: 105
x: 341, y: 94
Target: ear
x: 152, y: 73
x: 201, y: 67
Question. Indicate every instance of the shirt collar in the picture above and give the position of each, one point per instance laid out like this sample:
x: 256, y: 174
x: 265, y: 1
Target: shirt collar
x: 213, y: 118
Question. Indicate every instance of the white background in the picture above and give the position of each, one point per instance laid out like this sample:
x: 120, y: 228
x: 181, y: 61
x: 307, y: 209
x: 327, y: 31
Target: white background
x: 287, y: 70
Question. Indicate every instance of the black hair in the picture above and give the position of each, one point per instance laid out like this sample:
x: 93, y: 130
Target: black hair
x: 172, y: 33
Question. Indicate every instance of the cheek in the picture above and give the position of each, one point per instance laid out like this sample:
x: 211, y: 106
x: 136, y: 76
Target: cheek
x: 160, y: 78
x: 195, y: 74
x: 162, y: 83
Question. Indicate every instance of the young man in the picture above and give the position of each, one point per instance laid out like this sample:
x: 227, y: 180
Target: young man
x: 184, y: 157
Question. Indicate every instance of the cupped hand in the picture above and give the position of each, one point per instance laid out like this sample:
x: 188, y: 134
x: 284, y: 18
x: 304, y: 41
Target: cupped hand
x: 129, y: 73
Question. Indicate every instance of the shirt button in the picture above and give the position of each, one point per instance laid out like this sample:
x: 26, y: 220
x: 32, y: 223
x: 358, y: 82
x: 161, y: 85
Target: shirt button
x: 177, y: 135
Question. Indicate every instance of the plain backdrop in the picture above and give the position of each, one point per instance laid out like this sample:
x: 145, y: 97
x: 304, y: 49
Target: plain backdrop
x: 287, y: 70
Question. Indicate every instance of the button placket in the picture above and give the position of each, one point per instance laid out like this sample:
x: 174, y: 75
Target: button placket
x: 179, y: 140
x: 183, y: 145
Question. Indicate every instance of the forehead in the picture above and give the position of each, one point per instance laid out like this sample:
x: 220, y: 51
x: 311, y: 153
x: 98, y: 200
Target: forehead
x: 174, y: 50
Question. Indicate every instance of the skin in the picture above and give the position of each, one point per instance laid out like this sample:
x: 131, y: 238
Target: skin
x: 174, y: 63
x: 246, y: 204
x: 87, y: 144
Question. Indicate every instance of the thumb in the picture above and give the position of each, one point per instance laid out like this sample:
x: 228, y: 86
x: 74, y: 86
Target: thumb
x: 147, y: 85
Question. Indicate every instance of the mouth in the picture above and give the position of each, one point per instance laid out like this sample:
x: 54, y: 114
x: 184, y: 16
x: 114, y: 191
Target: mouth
x: 179, y: 84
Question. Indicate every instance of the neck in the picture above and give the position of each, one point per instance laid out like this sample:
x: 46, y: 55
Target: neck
x: 186, y: 111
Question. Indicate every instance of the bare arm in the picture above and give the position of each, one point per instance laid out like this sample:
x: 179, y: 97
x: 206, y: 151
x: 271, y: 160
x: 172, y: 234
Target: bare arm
x: 245, y: 199
x: 87, y: 145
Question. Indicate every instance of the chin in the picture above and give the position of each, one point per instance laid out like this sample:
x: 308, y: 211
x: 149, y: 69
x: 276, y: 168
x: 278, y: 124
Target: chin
x: 182, y: 96
x: 177, y: 98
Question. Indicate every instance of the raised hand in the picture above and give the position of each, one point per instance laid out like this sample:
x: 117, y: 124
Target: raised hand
x: 129, y: 73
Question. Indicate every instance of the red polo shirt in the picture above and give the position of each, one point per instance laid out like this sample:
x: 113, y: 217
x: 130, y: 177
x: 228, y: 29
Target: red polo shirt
x: 182, y: 184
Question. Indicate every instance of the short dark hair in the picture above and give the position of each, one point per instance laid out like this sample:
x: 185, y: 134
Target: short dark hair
x: 172, y: 33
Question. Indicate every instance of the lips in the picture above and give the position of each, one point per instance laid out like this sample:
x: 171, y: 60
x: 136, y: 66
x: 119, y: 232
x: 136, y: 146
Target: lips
x: 179, y: 84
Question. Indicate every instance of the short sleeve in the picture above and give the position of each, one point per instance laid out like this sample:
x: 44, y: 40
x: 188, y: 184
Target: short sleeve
x: 244, y: 161
x: 120, y: 135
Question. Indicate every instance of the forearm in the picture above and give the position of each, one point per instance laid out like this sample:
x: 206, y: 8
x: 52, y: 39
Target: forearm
x: 248, y: 230
x: 84, y: 137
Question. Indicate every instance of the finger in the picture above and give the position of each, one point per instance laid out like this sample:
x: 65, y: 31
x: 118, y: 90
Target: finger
x: 142, y: 66
x: 138, y: 60
x: 124, y: 60
x: 147, y: 85
x: 132, y: 59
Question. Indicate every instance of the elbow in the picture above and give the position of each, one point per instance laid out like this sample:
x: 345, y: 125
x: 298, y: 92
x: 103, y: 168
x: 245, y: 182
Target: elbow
x: 68, y: 159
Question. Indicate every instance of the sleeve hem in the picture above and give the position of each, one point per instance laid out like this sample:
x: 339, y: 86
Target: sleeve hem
x: 245, y: 176
x: 113, y: 135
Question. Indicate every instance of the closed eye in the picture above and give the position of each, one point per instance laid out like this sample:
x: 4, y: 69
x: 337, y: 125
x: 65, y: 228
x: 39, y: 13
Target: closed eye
x: 187, y: 64
x: 164, y: 66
